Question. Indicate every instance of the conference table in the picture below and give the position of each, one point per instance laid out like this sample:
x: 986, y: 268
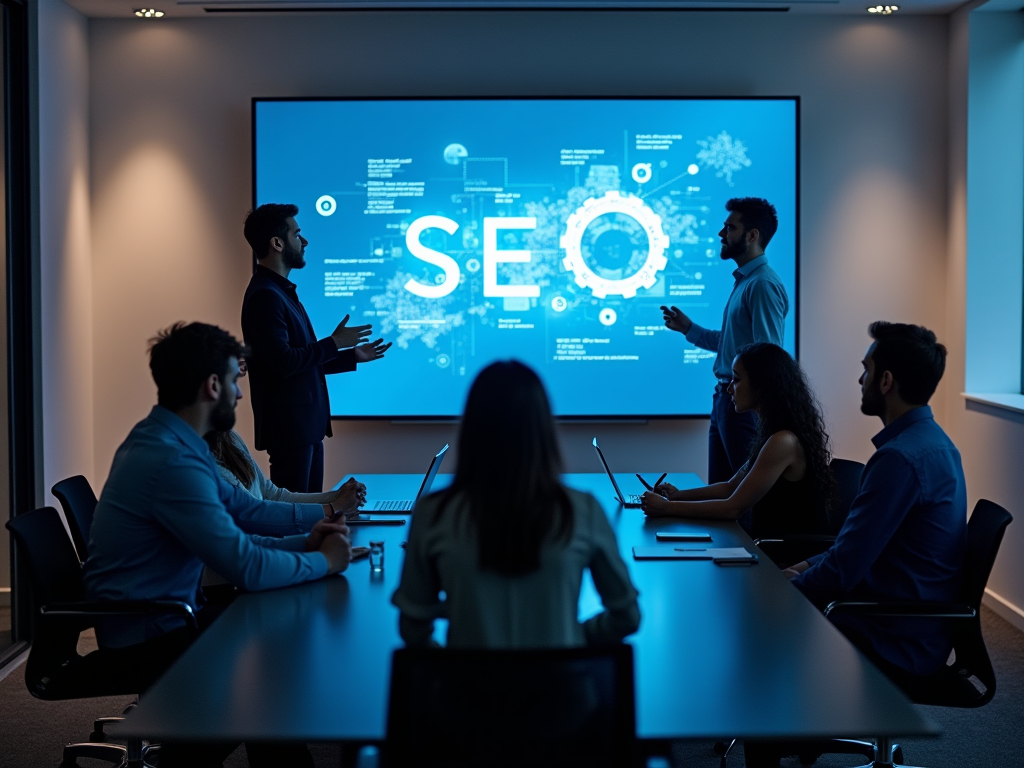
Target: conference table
x: 721, y: 651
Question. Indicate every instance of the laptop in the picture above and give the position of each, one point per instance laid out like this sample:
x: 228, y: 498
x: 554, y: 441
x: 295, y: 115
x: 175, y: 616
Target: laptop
x: 629, y: 502
x: 406, y: 505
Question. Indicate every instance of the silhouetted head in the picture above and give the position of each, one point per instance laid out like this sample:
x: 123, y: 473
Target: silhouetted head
x: 778, y: 390
x: 905, y: 358
x: 509, y: 468
x: 182, y: 358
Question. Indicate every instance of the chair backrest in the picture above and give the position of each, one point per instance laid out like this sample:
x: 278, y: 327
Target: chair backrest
x: 985, y: 532
x: 847, y: 474
x: 79, y: 503
x: 555, y: 707
x: 55, y: 574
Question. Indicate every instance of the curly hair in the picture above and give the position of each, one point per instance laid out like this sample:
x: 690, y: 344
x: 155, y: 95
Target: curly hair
x: 785, y: 401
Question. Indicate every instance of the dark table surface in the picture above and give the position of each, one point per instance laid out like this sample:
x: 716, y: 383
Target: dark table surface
x: 722, y: 651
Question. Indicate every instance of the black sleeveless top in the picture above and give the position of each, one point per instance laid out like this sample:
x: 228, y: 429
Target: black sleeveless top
x: 789, y: 507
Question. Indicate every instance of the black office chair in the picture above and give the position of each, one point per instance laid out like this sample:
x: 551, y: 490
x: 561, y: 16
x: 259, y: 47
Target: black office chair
x: 78, y: 501
x: 968, y: 681
x: 563, y: 707
x: 798, y: 547
x: 55, y: 670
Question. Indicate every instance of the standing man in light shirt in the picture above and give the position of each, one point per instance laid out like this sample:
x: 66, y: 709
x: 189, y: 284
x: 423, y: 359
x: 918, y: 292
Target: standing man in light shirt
x: 756, y: 312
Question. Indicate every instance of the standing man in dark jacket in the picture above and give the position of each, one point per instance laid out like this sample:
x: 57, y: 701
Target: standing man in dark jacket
x: 287, y: 364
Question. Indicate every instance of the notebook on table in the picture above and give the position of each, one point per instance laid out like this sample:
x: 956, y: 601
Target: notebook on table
x: 716, y: 554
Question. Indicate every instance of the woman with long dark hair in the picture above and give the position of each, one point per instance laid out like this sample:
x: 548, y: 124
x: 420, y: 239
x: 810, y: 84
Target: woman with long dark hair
x: 786, y: 481
x: 237, y: 467
x: 507, y: 543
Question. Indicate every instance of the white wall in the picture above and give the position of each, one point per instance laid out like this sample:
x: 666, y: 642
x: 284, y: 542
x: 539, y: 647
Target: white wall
x: 170, y: 153
x: 65, y: 268
x: 991, y: 440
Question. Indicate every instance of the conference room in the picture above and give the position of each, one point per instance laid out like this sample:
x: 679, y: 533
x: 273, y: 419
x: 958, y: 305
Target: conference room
x: 482, y: 181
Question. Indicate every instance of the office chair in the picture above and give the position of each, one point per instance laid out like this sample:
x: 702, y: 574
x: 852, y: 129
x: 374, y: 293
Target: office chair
x: 796, y: 548
x: 55, y: 670
x: 565, y: 707
x: 969, y: 680
x: 78, y: 501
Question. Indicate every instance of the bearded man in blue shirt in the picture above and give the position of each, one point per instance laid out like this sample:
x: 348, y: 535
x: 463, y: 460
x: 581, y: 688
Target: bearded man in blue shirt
x: 756, y: 312
x: 165, y: 511
x: 905, y: 538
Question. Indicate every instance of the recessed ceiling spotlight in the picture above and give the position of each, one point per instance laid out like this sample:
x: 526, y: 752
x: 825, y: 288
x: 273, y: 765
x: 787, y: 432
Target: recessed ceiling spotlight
x: 884, y: 10
x: 148, y: 13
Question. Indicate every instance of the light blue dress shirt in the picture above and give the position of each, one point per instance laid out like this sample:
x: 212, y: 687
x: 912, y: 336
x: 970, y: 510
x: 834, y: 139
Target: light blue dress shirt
x: 756, y: 311
x: 905, y: 540
x: 165, y: 511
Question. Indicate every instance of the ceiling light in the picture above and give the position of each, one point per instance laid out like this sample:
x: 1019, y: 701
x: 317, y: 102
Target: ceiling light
x: 884, y: 10
x: 148, y: 13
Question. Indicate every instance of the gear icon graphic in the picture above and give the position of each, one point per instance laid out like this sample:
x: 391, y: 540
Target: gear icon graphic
x: 594, y: 208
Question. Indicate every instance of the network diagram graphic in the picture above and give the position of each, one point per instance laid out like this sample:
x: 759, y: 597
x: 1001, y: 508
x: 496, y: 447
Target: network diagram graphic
x: 505, y: 257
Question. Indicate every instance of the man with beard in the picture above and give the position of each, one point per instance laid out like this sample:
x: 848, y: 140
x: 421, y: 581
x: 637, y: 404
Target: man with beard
x: 906, y: 535
x: 287, y: 364
x: 165, y: 512
x: 756, y: 312
x: 905, y: 538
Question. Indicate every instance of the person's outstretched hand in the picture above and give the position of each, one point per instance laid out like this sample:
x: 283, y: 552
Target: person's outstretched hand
x: 370, y: 351
x: 676, y: 319
x: 345, y: 336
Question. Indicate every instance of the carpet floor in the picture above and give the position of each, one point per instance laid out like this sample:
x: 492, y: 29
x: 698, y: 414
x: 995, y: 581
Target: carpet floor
x: 33, y: 732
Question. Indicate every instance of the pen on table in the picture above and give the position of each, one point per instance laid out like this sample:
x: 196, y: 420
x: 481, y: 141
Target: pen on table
x: 687, y: 549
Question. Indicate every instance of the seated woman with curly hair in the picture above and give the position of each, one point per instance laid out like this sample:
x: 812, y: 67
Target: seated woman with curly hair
x: 786, y: 483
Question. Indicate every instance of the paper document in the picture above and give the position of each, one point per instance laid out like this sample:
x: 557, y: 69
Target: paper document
x: 719, y: 554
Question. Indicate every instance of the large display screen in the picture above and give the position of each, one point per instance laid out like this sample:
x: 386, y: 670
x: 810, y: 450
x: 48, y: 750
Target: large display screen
x: 547, y: 230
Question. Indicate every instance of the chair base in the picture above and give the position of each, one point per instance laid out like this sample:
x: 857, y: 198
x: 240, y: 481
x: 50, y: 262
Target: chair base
x: 132, y: 755
x: 884, y: 753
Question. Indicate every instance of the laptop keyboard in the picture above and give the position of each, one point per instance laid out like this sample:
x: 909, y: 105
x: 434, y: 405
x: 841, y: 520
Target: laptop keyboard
x: 392, y: 506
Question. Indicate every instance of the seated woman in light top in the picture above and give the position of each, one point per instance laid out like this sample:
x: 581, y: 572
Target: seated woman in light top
x: 786, y: 481
x: 238, y: 467
x: 508, y: 543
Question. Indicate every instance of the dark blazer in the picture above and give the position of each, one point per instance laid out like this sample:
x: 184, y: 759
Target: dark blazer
x: 287, y: 364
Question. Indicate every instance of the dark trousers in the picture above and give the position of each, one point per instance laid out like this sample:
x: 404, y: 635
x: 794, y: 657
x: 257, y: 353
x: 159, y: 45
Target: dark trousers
x: 729, y: 442
x: 298, y: 468
x: 729, y: 439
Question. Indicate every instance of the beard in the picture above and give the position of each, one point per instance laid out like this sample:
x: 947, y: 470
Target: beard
x: 733, y: 250
x: 223, y: 417
x: 872, y: 401
x: 293, y: 257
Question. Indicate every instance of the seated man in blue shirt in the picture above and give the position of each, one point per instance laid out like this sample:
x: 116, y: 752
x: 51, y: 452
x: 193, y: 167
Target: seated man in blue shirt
x: 165, y: 511
x: 906, y: 535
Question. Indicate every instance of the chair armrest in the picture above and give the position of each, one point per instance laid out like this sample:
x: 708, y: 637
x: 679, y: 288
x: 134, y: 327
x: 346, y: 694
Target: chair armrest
x: 794, y: 549
x: 922, y: 610
x: 97, y: 609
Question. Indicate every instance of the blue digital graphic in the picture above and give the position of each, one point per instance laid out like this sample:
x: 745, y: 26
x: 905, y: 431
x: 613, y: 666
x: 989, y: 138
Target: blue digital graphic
x: 549, y: 231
